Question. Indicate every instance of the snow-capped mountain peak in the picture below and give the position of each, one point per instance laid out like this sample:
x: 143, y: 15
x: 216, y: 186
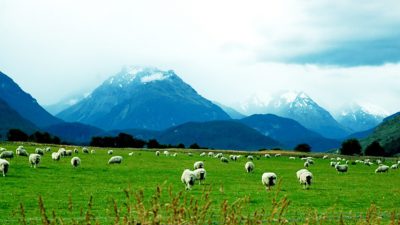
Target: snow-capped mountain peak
x: 138, y: 75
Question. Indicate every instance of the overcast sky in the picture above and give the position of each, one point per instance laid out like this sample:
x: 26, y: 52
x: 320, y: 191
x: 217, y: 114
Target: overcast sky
x: 336, y: 51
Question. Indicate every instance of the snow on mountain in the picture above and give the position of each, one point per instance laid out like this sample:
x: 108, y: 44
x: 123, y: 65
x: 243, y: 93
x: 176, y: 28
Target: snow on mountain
x: 361, y: 117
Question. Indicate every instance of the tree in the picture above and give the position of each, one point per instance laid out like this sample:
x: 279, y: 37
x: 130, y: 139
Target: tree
x: 153, y: 143
x: 16, y: 135
x: 374, y: 149
x: 303, y: 148
x: 194, y: 146
x: 351, y: 147
x: 181, y: 146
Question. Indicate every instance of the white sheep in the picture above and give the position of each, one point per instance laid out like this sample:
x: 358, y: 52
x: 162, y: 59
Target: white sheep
x: 306, y: 164
x: 21, y: 152
x: 76, y: 151
x: 333, y: 164
x: 55, y: 156
x: 48, y: 149
x: 382, y: 169
x: 110, y: 152
x: 85, y: 150
x: 6, y: 155
x: 188, y: 178
x: 210, y: 154
x: 190, y: 154
x: 166, y: 153
x: 39, y: 151
x: 234, y: 157
x: 75, y: 162
x: 305, y: 179
x: 267, y: 156
x: 92, y: 151
x: 249, y: 166
x: 62, y: 151
x: 219, y: 155
x: 224, y: 160
x: 292, y: 157
x: 200, y: 174
x: 341, y: 168
x: 4, y: 165
x: 299, y: 172
x: 115, y: 160
x: 175, y: 154
x: 34, y: 159
x: 268, y: 179
x: 68, y: 152
x: 203, y: 154
x: 130, y: 153
x: 394, y: 166
x: 3, y: 149
x: 157, y: 153
x: 325, y: 157
x: 250, y: 157
x: 198, y: 165
x: 277, y: 155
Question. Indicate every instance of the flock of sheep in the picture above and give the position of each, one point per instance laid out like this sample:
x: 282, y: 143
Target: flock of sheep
x: 35, y: 158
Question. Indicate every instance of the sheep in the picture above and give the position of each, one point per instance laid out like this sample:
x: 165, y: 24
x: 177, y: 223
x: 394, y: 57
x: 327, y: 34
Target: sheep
x: 68, y: 152
x: 188, y: 178
x: 166, y: 153
x: 333, y: 164
x: 310, y: 161
x: 39, y: 151
x: 75, y: 162
x: 292, y: 158
x: 115, y: 160
x: 219, y: 155
x: 48, y: 149
x: 55, y: 156
x: 190, y: 154
x: 249, y: 166
x: 130, y: 153
x: 341, y: 168
x: 3, y: 149
x: 325, y: 157
x: 34, y: 159
x: 394, y: 166
x: 378, y: 161
x: 198, y: 165
x: 200, y: 174
x: 382, y: 169
x: 277, y: 155
x: 110, y: 152
x: 92, y: 151
x: 250, y: 157
x: 267, y: 156
x: 175, y: 154
x: 234, y: 157
x: 62, y: 151
x: 4, y: 165
x: 224, y: 160
x: 203, y: 154
x: 299, y: 172
x: 268, y: 179
x: 85, y: 150
x: 305, y: 179
x: 21, y: 152
x: 338, y: 159
x: 6, y: 155
x: 306, y: 164
x: 210, y: 154
x: 76, y: 151
x: 157, y: 153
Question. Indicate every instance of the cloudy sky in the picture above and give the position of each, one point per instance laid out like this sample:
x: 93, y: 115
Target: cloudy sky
x: 336, y: 51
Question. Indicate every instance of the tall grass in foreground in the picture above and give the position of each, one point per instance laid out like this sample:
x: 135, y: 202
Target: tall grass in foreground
x: 184, y: 208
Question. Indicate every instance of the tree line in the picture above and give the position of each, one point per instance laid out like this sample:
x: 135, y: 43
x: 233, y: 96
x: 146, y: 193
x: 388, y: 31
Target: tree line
x: 38, y: 137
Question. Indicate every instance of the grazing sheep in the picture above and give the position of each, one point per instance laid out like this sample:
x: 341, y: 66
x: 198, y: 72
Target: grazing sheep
x: 210, y: 154
x: 250, y: 157
x: 21, y: 152
x: 394, y: 166
x: 341, y: 168
x: 338, y: 159
x: 188, y: 178
x: 198, y: 165
x: 55, y: 156
x: 75, y: 162
x: 333, y: 164
x: 190, y: 154
x: 62, y: 152
x: 249, y: 166
x: 175, y: 154
x: 200, y: 174
x: 4, y: 165
x: 68, y: 152
x: 378, y: 161
x: 34, y: 159
x: 76, y: 151
x: 48, y: 149
x: 219, y: 155
x: 115, y: 160
x: 39, y: 151
x: 110, y: 152
x: 306, y: 164
x: 6, y: 155
x: 310, y: 161
x: 130, y: 153
x: 325, y: 157
x: 267, y: 156
x: 92, y: 151
x: 224, y: 160
x: 166, y: 153
x: 292, y: 158
x: 3, y: 149
x: 299, y: 172
x: 268, y: 179
x: 85, y: 150
x: 305, y: 179
x: 203, y: 154
x: 157, y: 153
x: 382, y: 169
x: 234, y: 157
x: 277, y: 155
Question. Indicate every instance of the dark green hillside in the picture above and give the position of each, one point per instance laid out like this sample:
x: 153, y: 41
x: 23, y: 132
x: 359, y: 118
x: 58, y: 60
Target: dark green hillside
x: 388, y: 135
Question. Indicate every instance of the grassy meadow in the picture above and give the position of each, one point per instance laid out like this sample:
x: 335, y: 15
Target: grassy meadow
x: 106, y: 192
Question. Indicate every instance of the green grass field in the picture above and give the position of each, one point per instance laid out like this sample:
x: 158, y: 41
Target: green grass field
x: 67, y: 191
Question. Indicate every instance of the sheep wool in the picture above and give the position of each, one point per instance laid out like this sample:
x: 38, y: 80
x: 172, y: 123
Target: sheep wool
x: 200, y: 174
x: 188, y: 178
x: 34, y: 159
x: 75, y: 162
x: 268, y: 179
x: 115, y: 160
x: 249, y: 166
x: 4, y: 165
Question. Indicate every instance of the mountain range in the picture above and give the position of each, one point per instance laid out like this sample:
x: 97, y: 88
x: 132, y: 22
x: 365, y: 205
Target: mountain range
x: 145, y: 98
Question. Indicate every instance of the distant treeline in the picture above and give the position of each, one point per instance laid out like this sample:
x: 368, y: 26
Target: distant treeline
x: 123, y: 140
x: 38, y: 137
